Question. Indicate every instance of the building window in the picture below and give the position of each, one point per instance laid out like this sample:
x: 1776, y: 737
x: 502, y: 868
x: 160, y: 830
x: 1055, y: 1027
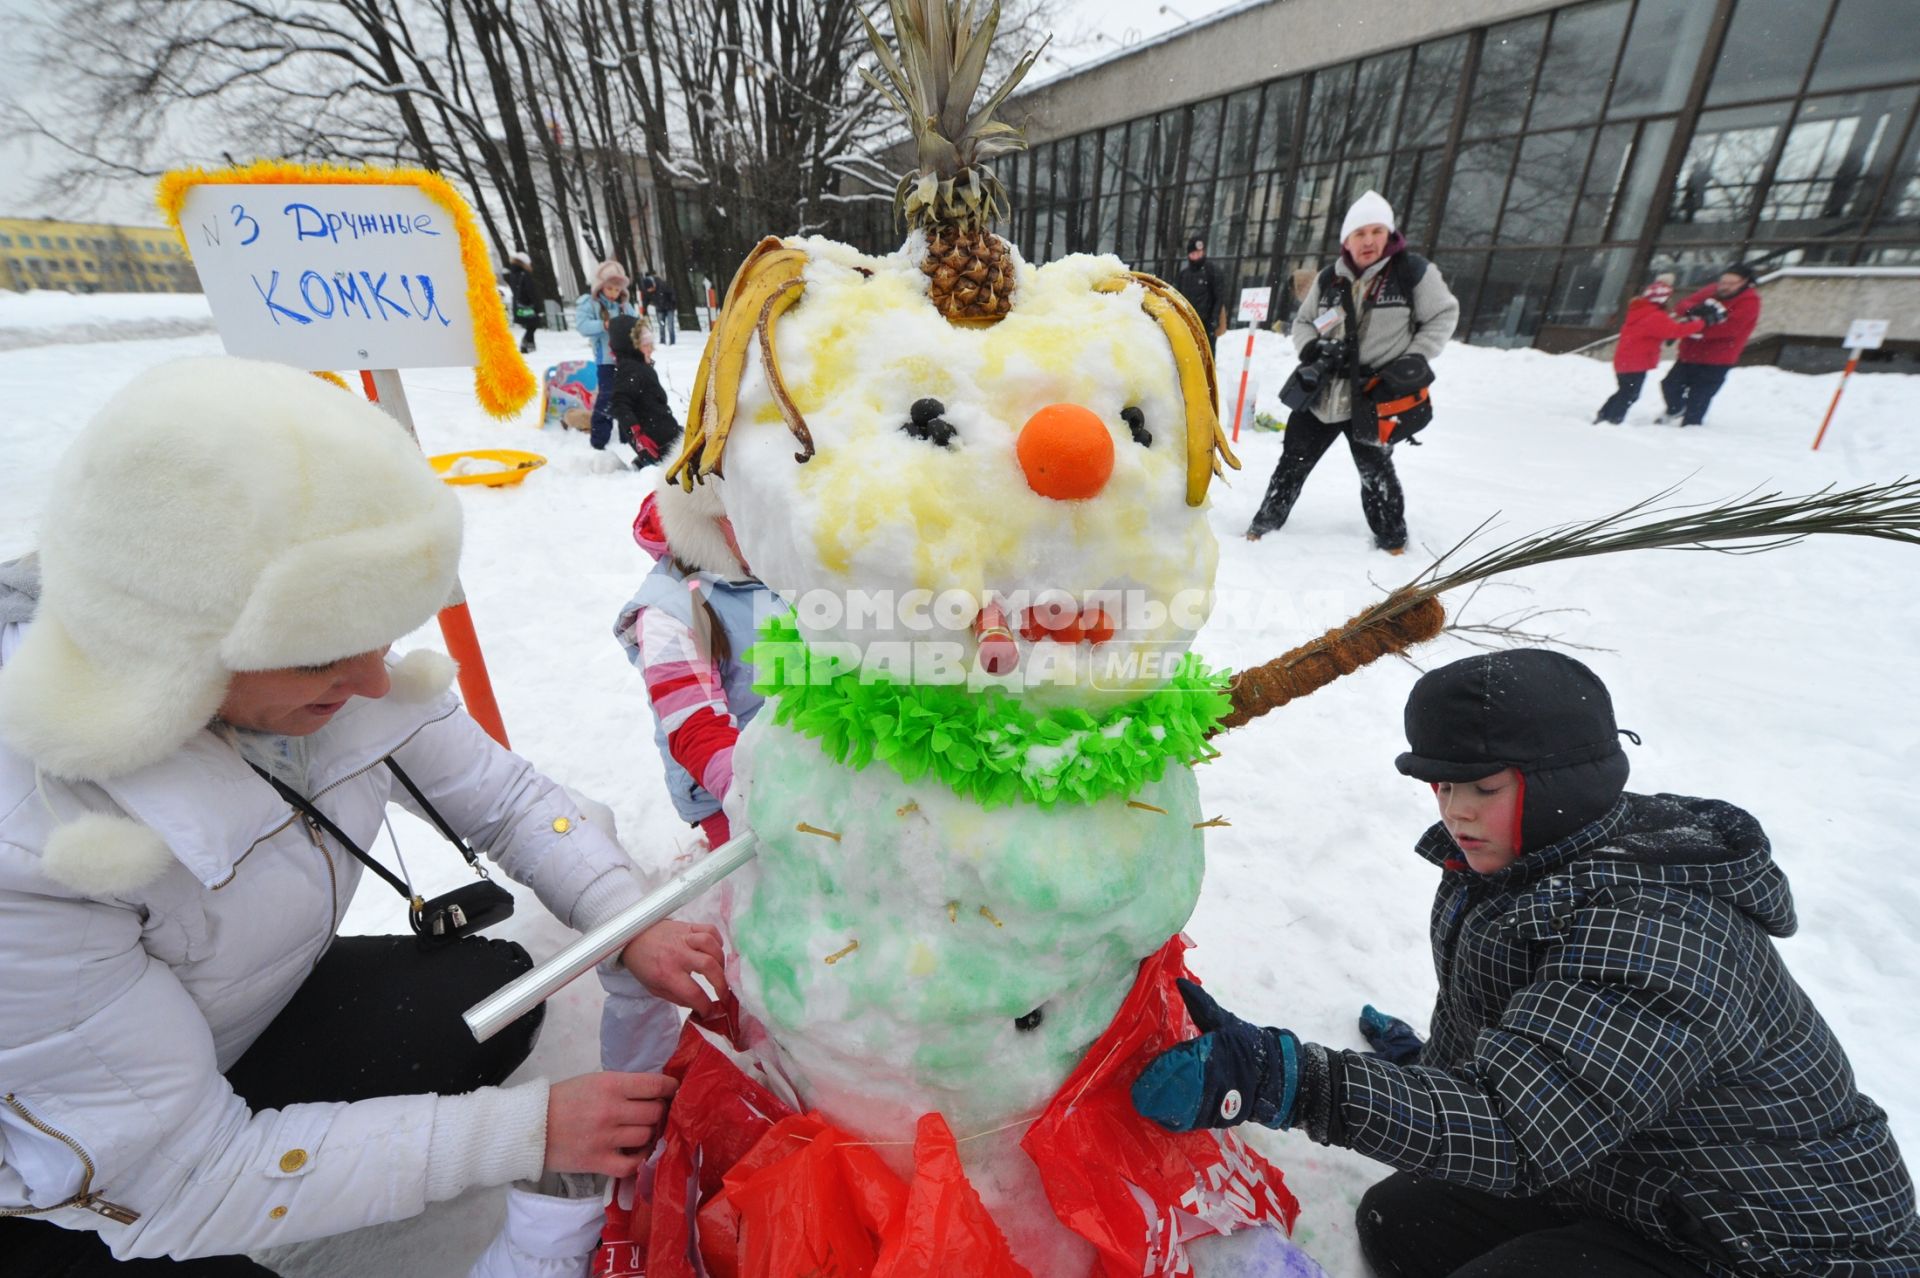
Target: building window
x: 1512, y: 296
x: 1658, y: 64
x: 1767, y: 49
x: 1581, y: 51
x: 1869, y: 42
x: 1718, y: 185
x: 1508, y: 59
x: 1474, y: 195
x: 1590, y: 287
x: 1432, y: 89
x: 1546, y: 182
x: 1835, y: 157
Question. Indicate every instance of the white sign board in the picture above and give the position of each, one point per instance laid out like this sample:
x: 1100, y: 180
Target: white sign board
x: 1253, y: 305
x: 1865, y: 335
x: 331, y: 276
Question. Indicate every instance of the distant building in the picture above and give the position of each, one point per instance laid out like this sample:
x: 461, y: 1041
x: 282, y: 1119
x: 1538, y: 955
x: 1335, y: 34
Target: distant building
x: 1550, y: 156
x: 92, y: 257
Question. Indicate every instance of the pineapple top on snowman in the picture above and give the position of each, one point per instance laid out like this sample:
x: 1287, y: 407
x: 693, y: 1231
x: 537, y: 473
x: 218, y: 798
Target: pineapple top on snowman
x: 982, y: 486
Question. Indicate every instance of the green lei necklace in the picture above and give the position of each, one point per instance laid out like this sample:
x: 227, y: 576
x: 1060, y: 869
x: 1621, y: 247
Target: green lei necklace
x: 987, y: 746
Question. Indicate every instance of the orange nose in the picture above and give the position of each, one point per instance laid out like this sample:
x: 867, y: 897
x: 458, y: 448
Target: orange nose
x: 1066, y: 452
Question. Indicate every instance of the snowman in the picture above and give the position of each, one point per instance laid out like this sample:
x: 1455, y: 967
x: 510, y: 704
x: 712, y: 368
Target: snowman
x: 983, y: 487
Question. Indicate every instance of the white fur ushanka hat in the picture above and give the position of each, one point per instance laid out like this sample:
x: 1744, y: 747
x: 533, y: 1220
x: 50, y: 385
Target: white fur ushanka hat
x: 219, y: 515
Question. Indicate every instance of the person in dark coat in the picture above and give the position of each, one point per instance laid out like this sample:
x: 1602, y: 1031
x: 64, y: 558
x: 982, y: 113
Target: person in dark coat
x: 639, y: 403
x: 667, y: 304
x: 1623, y: 1078
x: 1204, y: 286
x: 1704, y: 361
x: 1646, y: 331
x: 526, y: 298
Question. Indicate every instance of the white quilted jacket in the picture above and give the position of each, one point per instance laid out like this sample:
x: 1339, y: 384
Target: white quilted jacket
x: 120, y: 1008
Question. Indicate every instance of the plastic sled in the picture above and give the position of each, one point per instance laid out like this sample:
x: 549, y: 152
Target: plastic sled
x: 518, y: 466
x: 567, y: 394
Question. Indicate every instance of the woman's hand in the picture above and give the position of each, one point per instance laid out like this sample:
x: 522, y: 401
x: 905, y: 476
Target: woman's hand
x: 604, y: 1122
x: 665, y: 956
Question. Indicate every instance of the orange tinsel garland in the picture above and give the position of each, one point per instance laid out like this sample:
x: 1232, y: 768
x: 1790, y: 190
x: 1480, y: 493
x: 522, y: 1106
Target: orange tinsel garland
x: 501, y: 379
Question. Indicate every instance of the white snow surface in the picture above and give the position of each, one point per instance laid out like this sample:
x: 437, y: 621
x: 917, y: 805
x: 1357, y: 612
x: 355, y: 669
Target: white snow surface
x: 45, y: 317
x: 1783, y: 682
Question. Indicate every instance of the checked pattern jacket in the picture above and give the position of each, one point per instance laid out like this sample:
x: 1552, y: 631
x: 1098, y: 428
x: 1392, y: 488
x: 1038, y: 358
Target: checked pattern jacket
x: 1616, y: 1032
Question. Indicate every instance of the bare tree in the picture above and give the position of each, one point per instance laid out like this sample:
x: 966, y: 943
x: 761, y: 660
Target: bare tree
x: 750, y: 115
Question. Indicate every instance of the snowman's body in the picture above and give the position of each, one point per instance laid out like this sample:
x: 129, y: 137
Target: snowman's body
x: 943, y: 1007
x: 906, y: 948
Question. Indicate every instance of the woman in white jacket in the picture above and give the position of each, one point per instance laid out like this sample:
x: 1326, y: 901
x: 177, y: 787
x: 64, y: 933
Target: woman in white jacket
x: 197, y: 717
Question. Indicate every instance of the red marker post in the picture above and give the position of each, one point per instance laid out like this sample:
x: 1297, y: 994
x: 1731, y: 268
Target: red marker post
x: 1253, y: 309
x: 1862, y: 335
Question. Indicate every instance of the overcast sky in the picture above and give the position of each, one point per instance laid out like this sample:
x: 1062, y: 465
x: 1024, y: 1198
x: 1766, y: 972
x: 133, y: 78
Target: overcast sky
x: 1088, y: 29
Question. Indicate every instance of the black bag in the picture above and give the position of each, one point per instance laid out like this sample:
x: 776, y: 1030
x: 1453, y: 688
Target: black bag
x: 1393, y: 404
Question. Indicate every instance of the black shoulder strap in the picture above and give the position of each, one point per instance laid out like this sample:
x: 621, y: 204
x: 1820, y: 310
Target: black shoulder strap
x: 1328, y: 281
x: 305, y: 806
x: 1411, y: 268
x: 319, y: 818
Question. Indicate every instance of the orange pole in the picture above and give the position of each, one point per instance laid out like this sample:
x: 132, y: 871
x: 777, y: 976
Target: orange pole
x: 1240, y: 401
x: 463, y: 645
x: 1852, y: 362
x: 456, y: 623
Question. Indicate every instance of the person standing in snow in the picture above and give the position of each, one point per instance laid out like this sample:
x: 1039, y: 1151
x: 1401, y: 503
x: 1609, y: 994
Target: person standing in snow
x: 1623, y: 1078
x: 598, y: 308
x: 1395, y: 304
x: 526, y: 298
x: 648, y: 291
x: 668, y: 309
x: 1648, y: 328
x: 687, y: 631
x: 200, y: 731
x: 1731, y: 305
x: 637, y: 401
x: 1204, y: 286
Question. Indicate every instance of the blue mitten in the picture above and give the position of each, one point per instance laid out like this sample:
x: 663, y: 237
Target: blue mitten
x: 1233, y: 1072
x: 1391, y: 1038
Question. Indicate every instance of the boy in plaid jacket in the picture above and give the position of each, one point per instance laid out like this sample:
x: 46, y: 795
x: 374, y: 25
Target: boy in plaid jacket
x: 1623, y: 1077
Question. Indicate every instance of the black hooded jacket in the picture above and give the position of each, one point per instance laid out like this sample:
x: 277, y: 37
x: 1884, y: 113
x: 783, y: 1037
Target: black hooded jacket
x: 639, y: 405
x: 1616, y: 1030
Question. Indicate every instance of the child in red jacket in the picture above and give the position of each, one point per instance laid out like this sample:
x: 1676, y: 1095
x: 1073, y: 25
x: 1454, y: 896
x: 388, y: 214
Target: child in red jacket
x: 1648, y: 327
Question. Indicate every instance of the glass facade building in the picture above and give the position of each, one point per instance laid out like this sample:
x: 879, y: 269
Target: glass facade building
x: 1549, y: 164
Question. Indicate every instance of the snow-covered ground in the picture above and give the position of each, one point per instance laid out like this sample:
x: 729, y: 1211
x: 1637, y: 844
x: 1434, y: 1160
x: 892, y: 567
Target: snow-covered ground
x: 1783, y: 682
x: 45, y: 317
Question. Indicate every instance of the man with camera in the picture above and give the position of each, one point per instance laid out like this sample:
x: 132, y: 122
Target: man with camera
x: 1731, y: 308
x: 1365, y: 332
x: 200, y: 731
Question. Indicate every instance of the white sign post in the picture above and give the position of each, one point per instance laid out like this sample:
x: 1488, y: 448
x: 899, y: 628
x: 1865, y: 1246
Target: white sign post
x: 1253, y: 310
x: 330, y: 276
x: 1862, y: 335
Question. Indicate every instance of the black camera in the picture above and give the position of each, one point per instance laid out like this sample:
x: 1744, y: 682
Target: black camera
x: 1323, y: 358
x: 461, y: 912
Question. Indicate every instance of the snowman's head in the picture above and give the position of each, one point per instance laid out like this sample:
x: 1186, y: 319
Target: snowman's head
x: 1020, y: 504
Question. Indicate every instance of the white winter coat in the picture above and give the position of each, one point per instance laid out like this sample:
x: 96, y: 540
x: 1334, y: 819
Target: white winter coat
x: 121, y: 1006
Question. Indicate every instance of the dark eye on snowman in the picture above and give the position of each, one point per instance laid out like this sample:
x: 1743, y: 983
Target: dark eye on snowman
x: 925, y: 422
x: 1137, y: 426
